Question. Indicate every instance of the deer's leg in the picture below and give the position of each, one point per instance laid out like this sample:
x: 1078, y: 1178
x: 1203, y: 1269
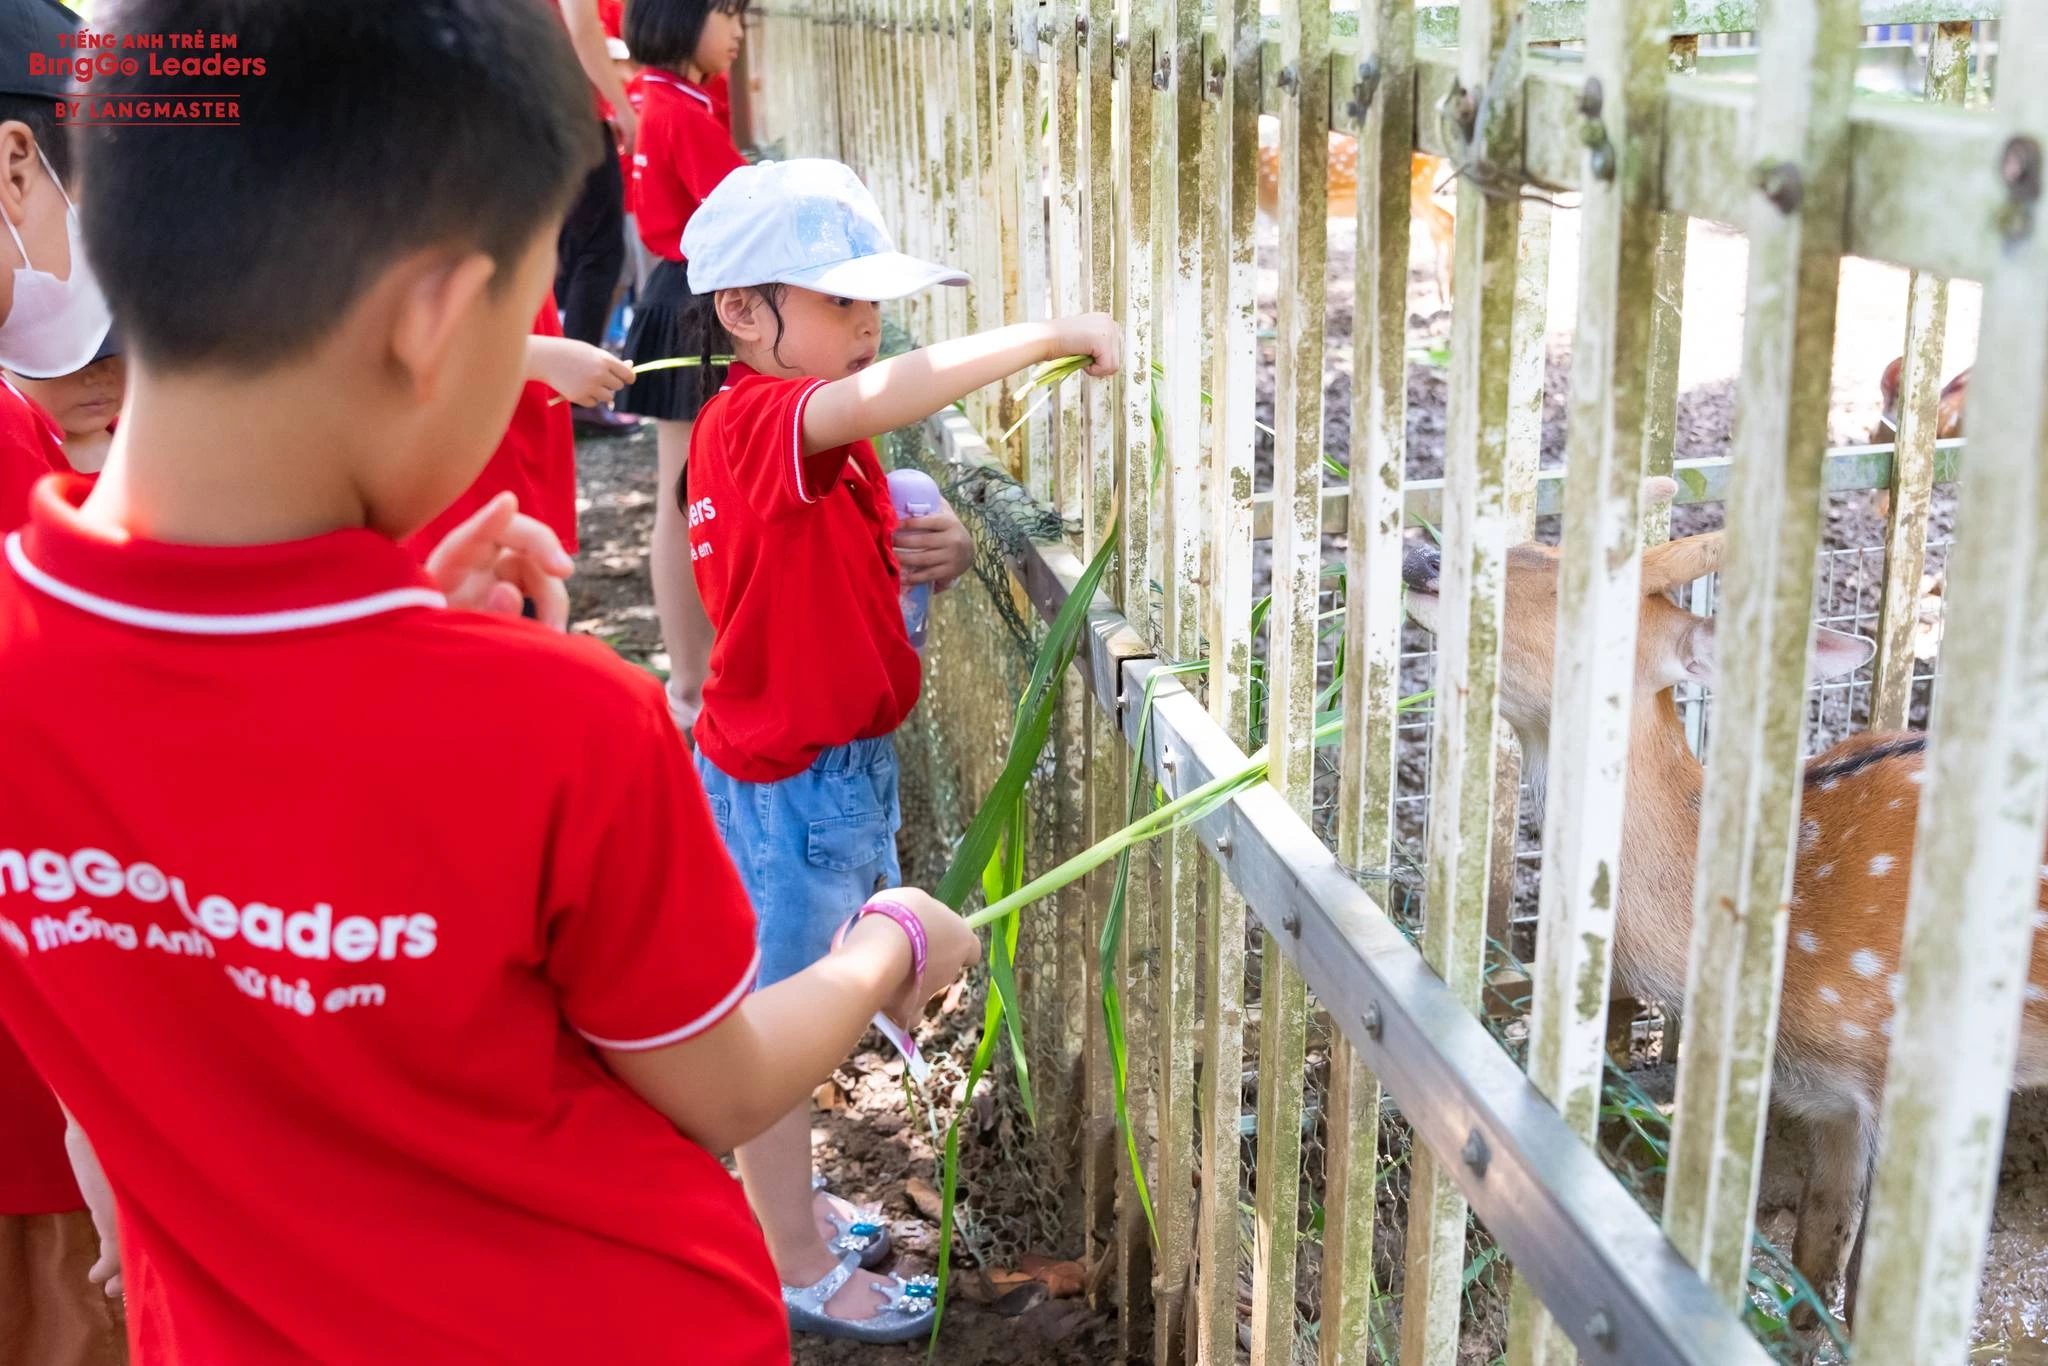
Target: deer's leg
x: 1837, y: 1162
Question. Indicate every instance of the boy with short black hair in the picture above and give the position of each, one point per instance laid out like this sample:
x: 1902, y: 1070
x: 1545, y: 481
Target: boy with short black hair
x: 382, y: 1005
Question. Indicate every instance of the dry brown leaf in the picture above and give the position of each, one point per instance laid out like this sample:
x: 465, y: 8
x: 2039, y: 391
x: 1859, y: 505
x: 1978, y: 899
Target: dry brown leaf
x: 925, y: 1197
x: 1062, y: 1279
x: 828, y: 1096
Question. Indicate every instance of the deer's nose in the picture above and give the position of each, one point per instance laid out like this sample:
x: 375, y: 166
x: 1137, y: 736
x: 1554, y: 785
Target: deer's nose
x: 1422, y: 567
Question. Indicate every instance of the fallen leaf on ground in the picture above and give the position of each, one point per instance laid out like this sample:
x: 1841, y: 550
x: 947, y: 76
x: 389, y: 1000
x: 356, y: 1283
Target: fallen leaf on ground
x: 926, y: 1198
x: 828, y: 1096
x: 1020, y: 1300
x: 1061, y: 1279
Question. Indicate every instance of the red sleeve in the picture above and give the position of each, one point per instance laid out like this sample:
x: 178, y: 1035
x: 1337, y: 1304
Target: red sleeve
x: 761, y: 426
x: 652, y: 938
x: 30, y: 447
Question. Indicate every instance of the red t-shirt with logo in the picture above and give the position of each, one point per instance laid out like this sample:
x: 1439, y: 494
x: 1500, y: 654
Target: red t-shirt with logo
x: 798, y: 574
x: 314, y: 929
x: 35, y: 1172
x: 682, y: 154
x: 536, y: 460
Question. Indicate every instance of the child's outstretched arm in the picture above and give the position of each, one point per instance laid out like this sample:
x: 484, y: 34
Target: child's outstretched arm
x: 730, y: 1083
x: 910, y: 388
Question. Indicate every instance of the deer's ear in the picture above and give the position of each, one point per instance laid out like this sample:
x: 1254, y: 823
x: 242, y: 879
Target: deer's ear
x: 1836, y: 653
x: 1683, y: 650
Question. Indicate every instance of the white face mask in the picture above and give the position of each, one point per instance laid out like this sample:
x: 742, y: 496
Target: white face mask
x: 55, y: 326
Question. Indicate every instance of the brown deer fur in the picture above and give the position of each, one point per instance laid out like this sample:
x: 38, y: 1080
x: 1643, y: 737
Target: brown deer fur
x: 1858, y: 810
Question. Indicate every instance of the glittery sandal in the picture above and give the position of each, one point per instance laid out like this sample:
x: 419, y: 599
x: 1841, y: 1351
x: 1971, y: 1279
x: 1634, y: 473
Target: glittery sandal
x: 868, y: 1238
x: 907, y: 1316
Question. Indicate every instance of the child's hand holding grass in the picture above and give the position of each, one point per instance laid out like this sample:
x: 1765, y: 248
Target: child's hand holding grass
x: 583, y: 374
x: 1096, y: 335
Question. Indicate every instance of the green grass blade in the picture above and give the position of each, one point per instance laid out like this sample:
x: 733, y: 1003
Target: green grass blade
x: 949, y: 1172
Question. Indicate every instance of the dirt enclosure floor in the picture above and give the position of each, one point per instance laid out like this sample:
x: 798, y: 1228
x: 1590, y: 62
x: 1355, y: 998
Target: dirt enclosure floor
x: 875, y: 1151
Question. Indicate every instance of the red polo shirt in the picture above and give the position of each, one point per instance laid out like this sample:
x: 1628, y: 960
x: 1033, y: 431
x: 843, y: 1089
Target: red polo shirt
x: 314, y: 929
x: 795, y: 565
x: 682, y: 154
x: 35, y: 1172
x: 31, y: 446
x: 536, y: 460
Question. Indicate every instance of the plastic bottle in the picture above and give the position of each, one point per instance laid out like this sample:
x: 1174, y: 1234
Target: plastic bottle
x: 915, y: 495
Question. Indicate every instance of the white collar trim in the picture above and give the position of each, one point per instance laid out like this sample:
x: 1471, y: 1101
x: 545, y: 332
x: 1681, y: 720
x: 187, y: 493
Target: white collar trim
x: 216, y: 624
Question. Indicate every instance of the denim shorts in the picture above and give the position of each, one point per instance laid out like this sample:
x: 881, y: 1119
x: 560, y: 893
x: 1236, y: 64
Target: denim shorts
x: 811, y: 848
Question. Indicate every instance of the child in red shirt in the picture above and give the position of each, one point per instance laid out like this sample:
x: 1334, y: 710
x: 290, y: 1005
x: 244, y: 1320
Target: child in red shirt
x: 536, y: 460
x: 84, y: 406
x: 684, y: 150
x: 791, y: 530
x: 405, y: 1030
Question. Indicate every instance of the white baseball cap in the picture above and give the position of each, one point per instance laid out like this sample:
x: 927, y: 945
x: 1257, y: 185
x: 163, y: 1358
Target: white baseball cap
x: 808, y: 223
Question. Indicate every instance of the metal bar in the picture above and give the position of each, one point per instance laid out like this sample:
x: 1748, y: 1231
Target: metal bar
x: 1233, y: 378
x: 1476, y: 531
x: 1977, y: 868
x: 1291, y: 651
x: 1845, y: 469
x: 1382, y: 109
x: 1602, y: 1265
x: 1751, y: 801
x: 1918, y: 417
x: 1599, y: 588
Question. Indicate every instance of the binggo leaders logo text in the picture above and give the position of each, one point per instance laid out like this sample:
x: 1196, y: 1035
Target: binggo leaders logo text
x: 314, y: 935
x: 85, y: 57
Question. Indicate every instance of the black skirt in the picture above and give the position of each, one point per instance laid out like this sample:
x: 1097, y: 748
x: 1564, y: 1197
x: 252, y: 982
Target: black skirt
x: 661, y: 331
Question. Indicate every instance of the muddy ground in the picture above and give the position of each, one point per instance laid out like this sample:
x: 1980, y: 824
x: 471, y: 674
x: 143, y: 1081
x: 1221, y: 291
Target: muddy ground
x: 876, y: 1152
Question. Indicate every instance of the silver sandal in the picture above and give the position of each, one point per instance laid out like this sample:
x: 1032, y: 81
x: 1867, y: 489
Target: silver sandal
x: 912, y: 1305
x: 866, y: 1238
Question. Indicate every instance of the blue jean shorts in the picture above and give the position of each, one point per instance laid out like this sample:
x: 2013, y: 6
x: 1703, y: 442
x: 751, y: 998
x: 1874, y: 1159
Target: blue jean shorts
x: 811, y: 848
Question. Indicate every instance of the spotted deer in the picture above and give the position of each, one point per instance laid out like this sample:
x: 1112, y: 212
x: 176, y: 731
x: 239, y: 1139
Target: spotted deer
x: 1425, y: 177
x: 1859, y: 805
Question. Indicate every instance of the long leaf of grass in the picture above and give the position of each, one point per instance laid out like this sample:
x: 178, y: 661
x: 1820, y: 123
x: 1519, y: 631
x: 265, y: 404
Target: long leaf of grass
x: 949, y: 1173
x: 1027, y: 739
x: 1005, y: 872
x: 668, y: 363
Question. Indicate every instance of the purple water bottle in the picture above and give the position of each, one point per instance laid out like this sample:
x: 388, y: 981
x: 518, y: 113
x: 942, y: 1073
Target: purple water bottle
x: 915, y: 495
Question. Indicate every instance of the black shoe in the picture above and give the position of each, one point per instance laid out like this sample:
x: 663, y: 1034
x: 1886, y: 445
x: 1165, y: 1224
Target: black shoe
x: 603, y: 422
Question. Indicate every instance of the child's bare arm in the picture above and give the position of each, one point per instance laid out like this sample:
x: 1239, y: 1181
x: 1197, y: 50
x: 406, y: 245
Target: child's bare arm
x: 730, y: 1083
x: 685, y: 628
x: 582, y: 373
x: 910, y: 388
x: 99, y: 1200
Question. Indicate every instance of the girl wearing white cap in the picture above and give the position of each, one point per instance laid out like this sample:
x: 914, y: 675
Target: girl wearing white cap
x: 792, y: 545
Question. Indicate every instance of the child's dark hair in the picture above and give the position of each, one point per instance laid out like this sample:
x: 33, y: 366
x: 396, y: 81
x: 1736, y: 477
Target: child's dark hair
x: 708, y: 339
x: 376, y: 128
x: 40, y: 116
x: 664, y: 33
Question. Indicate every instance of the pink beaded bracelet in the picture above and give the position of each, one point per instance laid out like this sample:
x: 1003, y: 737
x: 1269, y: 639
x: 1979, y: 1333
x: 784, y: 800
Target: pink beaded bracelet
x: 912, y: 927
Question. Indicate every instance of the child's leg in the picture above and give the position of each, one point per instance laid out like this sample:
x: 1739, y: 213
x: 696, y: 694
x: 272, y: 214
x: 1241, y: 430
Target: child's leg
x: 684, y: 627
x: 810, y: 849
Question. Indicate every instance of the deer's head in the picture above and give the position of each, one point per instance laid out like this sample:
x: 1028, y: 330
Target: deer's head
x: 1672, y: 645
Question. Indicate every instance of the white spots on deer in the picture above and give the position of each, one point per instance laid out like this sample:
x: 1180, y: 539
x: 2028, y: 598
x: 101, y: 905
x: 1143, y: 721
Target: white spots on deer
x: 1918, y: 776
x: 1886, y: 1028
x: 1806, y: 941
x: 2035, y: 995
x: 1829, y: 996
x: 1809, y: 835
x: 1852, y: 1030
x: 1831, y: 784
x: 1895, y: 803
x: 1895, y: 986
x: 1881, y: 865
x: 1825, y: 871
x: 2040, y: 919
x: 1865, y: 963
